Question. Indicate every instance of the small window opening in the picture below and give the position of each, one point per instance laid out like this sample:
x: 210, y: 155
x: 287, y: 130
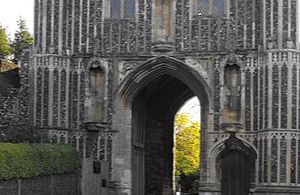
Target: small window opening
x: 213, y: 8
x: 122, y: 9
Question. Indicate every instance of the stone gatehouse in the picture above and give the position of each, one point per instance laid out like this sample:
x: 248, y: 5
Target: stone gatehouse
x: 108, y: 77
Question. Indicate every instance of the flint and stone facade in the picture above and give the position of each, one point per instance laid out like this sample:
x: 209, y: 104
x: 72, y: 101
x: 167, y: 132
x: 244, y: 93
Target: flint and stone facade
x: 108, y: 77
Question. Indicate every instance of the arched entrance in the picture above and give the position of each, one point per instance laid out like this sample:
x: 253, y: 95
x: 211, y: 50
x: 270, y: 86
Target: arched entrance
x: 237, y: 167
x: 155, y: 91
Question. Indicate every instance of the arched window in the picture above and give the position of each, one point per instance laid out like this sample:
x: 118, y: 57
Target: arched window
x: 122, y: 9
x: 214, y: 8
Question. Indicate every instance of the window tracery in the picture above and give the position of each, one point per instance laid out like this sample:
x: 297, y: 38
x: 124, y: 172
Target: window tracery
x: 215, y: 8
x: 122, y: 9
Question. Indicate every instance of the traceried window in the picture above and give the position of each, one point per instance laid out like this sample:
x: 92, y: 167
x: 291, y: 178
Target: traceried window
x: 214, y: 8
x: 122, y: 9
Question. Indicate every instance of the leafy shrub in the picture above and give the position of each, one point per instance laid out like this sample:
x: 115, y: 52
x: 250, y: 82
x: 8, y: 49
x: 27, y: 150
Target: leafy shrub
x: 33, y: 160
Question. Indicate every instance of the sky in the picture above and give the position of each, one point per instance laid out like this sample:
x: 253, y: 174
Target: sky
x: 10, y: 12
x: 192, y: 107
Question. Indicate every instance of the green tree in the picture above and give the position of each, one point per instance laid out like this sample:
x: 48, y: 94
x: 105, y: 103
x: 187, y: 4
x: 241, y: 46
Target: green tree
x: 5, y: 48
x: 22, y: 40
x: 187, y: 145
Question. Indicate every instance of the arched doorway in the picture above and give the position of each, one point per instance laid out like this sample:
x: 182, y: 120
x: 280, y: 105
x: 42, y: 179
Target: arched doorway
x: 155, y: 92
x: 237, y: 163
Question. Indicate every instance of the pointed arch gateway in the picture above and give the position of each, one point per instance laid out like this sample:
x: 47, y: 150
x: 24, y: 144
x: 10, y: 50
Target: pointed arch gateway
x: 154, y: 92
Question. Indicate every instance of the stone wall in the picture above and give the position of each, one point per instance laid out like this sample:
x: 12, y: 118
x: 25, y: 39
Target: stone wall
x: 58, y: 185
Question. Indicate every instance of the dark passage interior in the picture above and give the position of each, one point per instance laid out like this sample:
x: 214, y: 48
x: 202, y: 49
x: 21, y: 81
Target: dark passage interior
x: 153, y: 114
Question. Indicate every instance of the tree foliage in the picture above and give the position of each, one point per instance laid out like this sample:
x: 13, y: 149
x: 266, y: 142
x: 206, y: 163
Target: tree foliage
x: 5, y: 48
x: 187, y: 145
x: 23, y: 40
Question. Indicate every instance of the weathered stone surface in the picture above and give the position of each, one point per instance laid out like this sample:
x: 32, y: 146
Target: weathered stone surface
x: 259, y: 37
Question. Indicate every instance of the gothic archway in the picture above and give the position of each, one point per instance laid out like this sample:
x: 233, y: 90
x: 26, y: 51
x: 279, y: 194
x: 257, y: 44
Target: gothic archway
x: 154, y: 92
x: 237, y: 164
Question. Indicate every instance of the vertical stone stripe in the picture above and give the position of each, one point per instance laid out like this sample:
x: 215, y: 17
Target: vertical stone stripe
x: 270, y: 91
x: 240, y: 11
x: 284, y: 96
x: 296, y: 17
x: 149, y: 24
x: 178, y: 26
x: 78, y: 98
x: 288, y: 159
x: 283, y: 160
x: 81, y: 26
x: 214, y: 34
x: 141, y: 25
x: 293, y: 163
x: 274, y: 159
x: 82, y: 96
x: 132, y: 38
x: 297, y: 160
x: 260, y: 160
x: 194, y: 35
x: 294, y: 21
x: 36, y: 24
x: 279, y: 88
x: 269, y: 160
x: 186, y: 25
x: 68, y: 97
x: 249, y: 18
x: 109, y: 93
x: 39, y: 93
x: 289, y: 90
x: 286, y: 21
x: 63, y: 98
x: 259, y: 16
x: 280, y: 23
x: 252, y: 94
x: 52, y: 24
x: 72, y: 28
x: 248, y: 97
x: 99, y: 23
x: 90, y: 25
x: 261, y: 97
x: 265, y: 160
x: 217, y: 99
x: 255, y: 102
x: 266, y: 95
x: 50, y: 92
x: 275, y: 19
x: 34, y: 90
x: 275, y: 105
x: 44, y: 25
x: 271, y: 4
x: 124, y: 34
x: 289, y: 18
x: 46, y: 94
x: 59, y: 69
x: 254, y: 16
x: 294, y: 97
x: 61, y: 12
x: 49, y: 28
x: 115, y: 37
x: 87, y: 27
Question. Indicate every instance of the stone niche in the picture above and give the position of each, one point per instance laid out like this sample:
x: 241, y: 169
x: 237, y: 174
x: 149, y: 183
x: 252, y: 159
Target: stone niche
x: 232, y: 94
x: 95, y: 90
